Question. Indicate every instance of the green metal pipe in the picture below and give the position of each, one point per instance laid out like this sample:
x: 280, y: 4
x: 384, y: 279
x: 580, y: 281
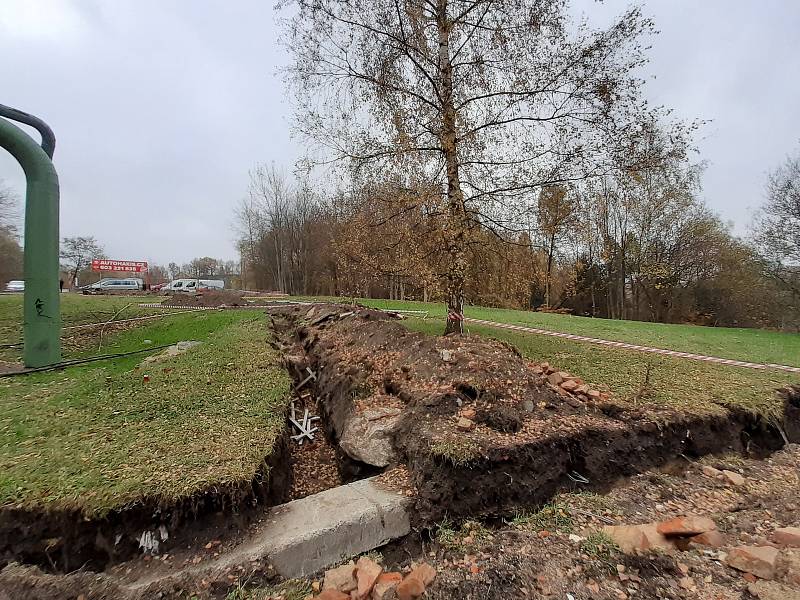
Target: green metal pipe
x: 42, y: 311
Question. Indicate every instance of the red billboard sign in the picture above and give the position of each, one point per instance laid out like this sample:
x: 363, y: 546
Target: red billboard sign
x: 133, y: 266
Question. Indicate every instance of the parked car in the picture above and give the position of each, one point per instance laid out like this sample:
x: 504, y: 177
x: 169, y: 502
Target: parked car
x: 107, y: 286
x: 192, y: 286
x: 15, y: 286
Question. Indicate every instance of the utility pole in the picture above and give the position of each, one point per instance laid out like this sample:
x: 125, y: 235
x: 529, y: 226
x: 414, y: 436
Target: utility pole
x: 42, y: 310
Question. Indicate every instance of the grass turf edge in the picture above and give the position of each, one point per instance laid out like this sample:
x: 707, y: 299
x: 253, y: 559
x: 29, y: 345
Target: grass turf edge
x: 101, y: 456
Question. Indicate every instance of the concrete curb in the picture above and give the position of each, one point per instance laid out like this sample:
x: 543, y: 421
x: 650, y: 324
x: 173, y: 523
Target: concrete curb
x: 307, y: 535
x: 315, y: 532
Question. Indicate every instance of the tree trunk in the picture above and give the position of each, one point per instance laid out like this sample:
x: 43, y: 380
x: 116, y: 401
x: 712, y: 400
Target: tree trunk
x: 549, y: 269
x: 456, y: 213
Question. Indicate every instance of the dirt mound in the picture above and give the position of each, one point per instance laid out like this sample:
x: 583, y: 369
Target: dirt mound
x: 483, y: 430
x: 206, y: 299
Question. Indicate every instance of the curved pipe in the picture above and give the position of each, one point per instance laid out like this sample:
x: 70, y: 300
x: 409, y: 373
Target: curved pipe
x: 48, y: 137
x: 42, y: 315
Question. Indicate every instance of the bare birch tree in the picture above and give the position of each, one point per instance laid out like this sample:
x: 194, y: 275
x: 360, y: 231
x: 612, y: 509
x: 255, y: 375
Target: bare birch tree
x: 488, y: 99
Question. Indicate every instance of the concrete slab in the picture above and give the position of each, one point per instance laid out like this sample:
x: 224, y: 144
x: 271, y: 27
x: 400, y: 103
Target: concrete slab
x: 306, y: 535
x: 318, y: 531
x: 313, y: 533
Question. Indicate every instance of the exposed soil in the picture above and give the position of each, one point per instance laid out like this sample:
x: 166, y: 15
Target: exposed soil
x: 530, y: 557
x: 206, y: 299
x: 524, y: 442
x: 515, y: 559
x: 315, y: 465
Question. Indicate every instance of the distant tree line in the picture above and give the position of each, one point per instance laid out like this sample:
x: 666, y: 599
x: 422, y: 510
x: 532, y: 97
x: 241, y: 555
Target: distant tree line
x: 633, y: 244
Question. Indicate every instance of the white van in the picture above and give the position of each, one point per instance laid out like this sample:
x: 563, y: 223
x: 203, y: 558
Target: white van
x: 191, y: 286
x: 108, y: 285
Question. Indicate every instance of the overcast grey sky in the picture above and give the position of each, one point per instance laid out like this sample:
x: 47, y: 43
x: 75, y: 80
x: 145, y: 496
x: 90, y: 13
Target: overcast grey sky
x: 160, y: 107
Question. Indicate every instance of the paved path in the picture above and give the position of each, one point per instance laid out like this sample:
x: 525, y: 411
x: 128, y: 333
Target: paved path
x: 626, y: 346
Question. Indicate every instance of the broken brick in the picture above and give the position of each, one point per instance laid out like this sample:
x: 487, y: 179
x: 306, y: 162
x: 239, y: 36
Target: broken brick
x: 386, y: 582
x: 688, y: 525
x: 468, y: 413
x: 331, y: 594
x: 712, y: 539
x: 342, y: 579
x: 569, y: 385
x: 410, y: 588
x: 628, y: 537
x: 367, y: 572
x: 758, y: 560
x: 424, y: 572
x: 787, y: 536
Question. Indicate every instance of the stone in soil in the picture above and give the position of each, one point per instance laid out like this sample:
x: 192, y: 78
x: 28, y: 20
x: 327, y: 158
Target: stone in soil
x: 772, y: 590
x: 788, y: 566
x: 465, y: 424
x: 367, y: 436
x: 732, y: 478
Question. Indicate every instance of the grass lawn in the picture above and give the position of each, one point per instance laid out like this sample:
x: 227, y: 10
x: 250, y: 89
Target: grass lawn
x: 96, y: 437
x: 755, y: 345
x: 690, y: 385
x: 76, y: 309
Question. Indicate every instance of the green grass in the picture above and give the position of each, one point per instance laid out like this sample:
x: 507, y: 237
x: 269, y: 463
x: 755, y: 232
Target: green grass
x: 292, y: 589
x: 552, y: 517
x: 459, y: 451
x: 96, y: 437
x: 76, y: 309
x: 682, y: 383
x: 756, y: 345
x: 600, y: 545
x: 470, y: 534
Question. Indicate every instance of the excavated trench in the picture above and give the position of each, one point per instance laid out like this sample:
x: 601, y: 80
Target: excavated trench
x: 60, y: 540
x: 309, y: 383
x: 390, y: 398
x: 379, y: 385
